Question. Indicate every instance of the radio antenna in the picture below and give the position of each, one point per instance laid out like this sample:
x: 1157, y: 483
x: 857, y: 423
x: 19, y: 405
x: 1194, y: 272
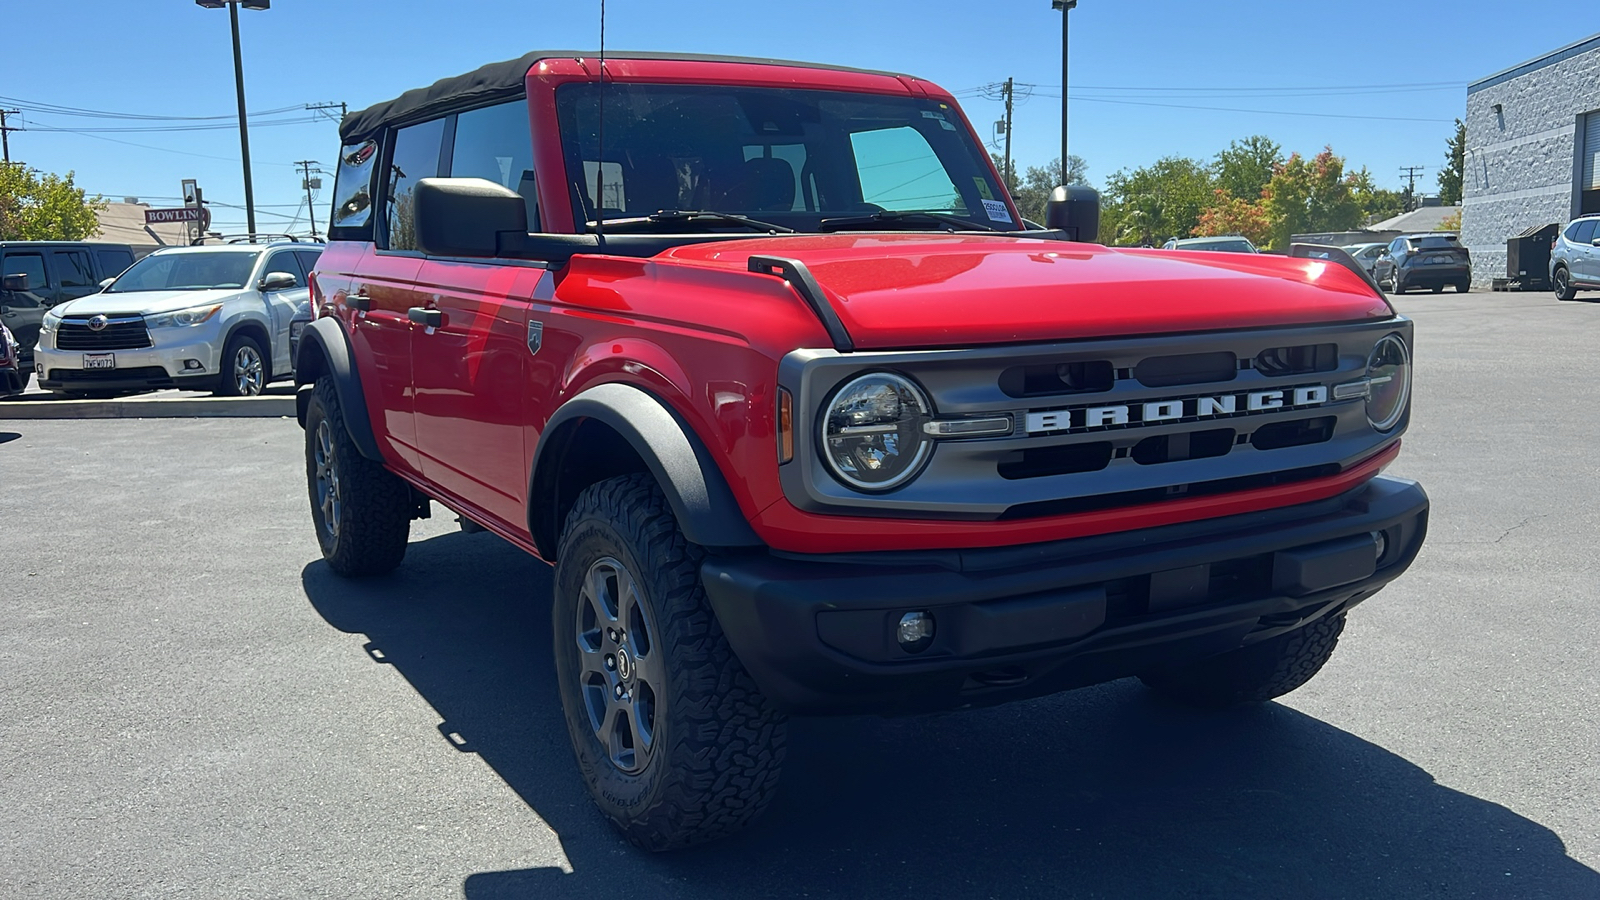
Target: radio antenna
x: 600, y: 165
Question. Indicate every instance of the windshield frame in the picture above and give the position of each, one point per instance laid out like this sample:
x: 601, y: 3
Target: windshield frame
x: 632, y: 112
x: 218, y: 257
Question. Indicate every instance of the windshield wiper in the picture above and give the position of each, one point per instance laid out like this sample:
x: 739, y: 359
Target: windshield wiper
x: 690, y: 216
x: 900, y: 217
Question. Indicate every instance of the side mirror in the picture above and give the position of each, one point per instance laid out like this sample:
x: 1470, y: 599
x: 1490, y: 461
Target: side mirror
x: 14, y: 282
x: 106, y: 282
x: 1596, y: 242
x: 278, y: 281
x: 1075, y: 211
x: 471, y: 217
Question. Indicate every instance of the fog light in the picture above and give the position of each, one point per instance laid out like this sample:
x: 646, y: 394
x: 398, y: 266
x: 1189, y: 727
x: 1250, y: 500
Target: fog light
x: 915, y: 632
x: 193, y: 364
x: 1382, y: 541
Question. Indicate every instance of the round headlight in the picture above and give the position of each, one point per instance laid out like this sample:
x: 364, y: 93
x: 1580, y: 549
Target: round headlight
x: 872, y: 435
x: 1389, y: 374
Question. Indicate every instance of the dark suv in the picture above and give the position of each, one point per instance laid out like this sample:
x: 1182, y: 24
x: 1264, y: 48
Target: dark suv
x: 41, y: 274
x: 809, y: 422
x: 1430, y: 260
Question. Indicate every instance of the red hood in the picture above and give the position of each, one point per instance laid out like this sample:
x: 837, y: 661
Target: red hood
x: 898, y: 291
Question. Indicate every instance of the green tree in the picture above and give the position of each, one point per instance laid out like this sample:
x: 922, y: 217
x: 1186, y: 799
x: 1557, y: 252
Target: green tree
x: 37, y: 206
x: 1376, y: 203
x: 1151, y: 204
x: 1309, y: 196
x: 1244, y: 169
x: 1455, y: 163
x: 1031, y: 187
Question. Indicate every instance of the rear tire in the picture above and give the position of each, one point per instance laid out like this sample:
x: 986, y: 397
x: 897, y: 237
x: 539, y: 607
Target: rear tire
x: 1463, y: 286
x: 1563, y: 284
x: 674, y: 740
x: 1396, y: 286
x: 361, y: 511
x: 1252, y: 674
x: 1438, y: 288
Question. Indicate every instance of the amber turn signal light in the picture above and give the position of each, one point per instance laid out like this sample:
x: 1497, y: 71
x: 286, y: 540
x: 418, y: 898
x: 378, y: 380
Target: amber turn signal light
x: 785, y: 426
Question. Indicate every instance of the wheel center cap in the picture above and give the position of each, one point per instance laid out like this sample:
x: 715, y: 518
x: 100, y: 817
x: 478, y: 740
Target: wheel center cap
x: 624, y: 664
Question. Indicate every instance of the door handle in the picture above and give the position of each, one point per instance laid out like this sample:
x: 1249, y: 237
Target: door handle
x: 433, y: 318
x: 359, y: 300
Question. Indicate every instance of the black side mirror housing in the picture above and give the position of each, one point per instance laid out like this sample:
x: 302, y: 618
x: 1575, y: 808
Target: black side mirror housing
x: 469, y: 217
x: 1074, y: 210
x: 279, y: 281
x: 14, y: 282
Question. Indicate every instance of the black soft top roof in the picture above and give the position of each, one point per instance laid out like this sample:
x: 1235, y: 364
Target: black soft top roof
x: 506, y: 81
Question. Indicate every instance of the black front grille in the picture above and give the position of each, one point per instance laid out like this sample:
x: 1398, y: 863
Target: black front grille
x: 126, y: 334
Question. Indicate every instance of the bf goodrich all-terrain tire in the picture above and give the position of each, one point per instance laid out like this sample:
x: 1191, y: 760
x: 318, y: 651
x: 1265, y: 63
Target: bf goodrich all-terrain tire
x: 362, y: 512
x: 674, y: 740
x: 1255, y: 673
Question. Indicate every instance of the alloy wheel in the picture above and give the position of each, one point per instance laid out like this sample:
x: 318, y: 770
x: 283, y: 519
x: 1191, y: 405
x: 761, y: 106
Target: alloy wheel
x: 249, y: 372
x: 621, y: 671
x: 325, y: 460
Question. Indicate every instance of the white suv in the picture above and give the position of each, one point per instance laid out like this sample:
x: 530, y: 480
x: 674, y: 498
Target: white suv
x: 1575, y: 259
x: 213, y: 318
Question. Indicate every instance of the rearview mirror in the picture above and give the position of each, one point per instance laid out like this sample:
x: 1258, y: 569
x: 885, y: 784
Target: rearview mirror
x: 1075, y: 211
x: 471, y: 217
x: 278, y: 281
x: 14, y: 282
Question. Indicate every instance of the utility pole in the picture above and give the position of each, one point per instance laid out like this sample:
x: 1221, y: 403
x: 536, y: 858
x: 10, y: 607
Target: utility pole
x: 1009, y: 92
x: 1410, y: 173
x: 1066, y: 7
x: 5, y: 130
x: 311, y: 210
x: 344, y: 109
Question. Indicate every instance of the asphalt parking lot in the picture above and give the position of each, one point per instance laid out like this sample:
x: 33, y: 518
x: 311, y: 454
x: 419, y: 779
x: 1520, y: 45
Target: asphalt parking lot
x: 192, y: 705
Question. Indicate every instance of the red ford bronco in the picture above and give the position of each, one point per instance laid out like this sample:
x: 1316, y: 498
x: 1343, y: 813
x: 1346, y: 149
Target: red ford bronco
x: 761, y: 357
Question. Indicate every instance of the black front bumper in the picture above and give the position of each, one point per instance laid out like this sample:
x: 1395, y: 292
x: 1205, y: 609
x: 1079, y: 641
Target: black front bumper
x: 818, y: 632
x: 13, y: 381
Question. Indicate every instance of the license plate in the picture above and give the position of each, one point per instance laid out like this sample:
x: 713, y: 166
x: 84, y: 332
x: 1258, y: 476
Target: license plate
x: 99, y: 360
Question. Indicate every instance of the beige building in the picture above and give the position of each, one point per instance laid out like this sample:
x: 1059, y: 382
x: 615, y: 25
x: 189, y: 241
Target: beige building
x: 123, y: 223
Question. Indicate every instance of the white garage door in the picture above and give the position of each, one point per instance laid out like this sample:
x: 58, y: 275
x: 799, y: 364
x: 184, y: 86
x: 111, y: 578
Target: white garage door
x: 1591, y: 151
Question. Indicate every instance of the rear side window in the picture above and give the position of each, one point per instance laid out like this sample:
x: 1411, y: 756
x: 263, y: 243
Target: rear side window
x: 415, y: 157
x: 73, y: 268
x: 495, y: 143
x: 29, y: 264
x: 352, y: 187
x: 1582, y: 231
x: 113, y: 260
x: 308, y: 259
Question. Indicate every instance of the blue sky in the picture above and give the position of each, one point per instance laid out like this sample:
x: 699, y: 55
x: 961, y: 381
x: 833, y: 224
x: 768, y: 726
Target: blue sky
x: 1380, y: 83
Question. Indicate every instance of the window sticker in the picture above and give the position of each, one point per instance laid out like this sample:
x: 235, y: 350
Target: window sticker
x: 997, y: 211
x: 983, y: 187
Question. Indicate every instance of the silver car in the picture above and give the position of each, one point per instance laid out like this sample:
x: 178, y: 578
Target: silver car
x: 1231, y: 243
x: 1365, y: 254
x: 213, y: 318
x: 1575, y: 259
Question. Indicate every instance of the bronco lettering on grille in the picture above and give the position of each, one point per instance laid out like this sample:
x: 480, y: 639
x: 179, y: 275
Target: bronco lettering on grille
x: 1081, y: 418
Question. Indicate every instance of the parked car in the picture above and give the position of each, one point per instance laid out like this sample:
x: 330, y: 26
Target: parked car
x: 1365, y: 254
x: 738, y: 371
x: 13, y: 375
x: 297, y: 326
x: 1222, y: 244
x: 1575, y: 259
x: 213, y: 318
x: 1431, y: 260
x: 54, y: 272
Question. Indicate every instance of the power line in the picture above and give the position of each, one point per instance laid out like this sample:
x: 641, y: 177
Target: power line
x: 58, y: 109
x: 101, y: 137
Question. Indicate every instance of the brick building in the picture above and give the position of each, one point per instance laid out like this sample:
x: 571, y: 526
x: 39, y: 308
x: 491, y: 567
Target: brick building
x: 1533, y: 151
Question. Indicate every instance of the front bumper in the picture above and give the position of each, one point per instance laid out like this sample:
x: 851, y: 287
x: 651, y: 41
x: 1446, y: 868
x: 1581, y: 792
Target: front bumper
x: 145, y: 368
x: 13, y: 380
x: 817, y: 632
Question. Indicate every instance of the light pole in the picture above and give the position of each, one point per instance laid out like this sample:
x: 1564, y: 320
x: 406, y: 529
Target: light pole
x: 1066, y: 7
x: 238, y: 78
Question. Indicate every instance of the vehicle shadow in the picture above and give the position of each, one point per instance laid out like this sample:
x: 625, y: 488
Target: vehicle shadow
x: 7, y: 437
x: 1101, y: 792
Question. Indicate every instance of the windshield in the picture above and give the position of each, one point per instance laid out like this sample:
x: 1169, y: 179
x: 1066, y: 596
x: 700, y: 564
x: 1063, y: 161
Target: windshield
x: 788, y: 157
x: 187, y: 272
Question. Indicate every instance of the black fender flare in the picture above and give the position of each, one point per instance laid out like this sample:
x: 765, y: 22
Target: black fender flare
x: 325, y: 350
x: 679, y: 461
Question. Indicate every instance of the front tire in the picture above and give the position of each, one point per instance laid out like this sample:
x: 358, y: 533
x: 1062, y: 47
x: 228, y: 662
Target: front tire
x: 674, y: 740
x: 1253, y: 674
x: 1563, y: 284
x: 361, y: 511
x: 244, y: 368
